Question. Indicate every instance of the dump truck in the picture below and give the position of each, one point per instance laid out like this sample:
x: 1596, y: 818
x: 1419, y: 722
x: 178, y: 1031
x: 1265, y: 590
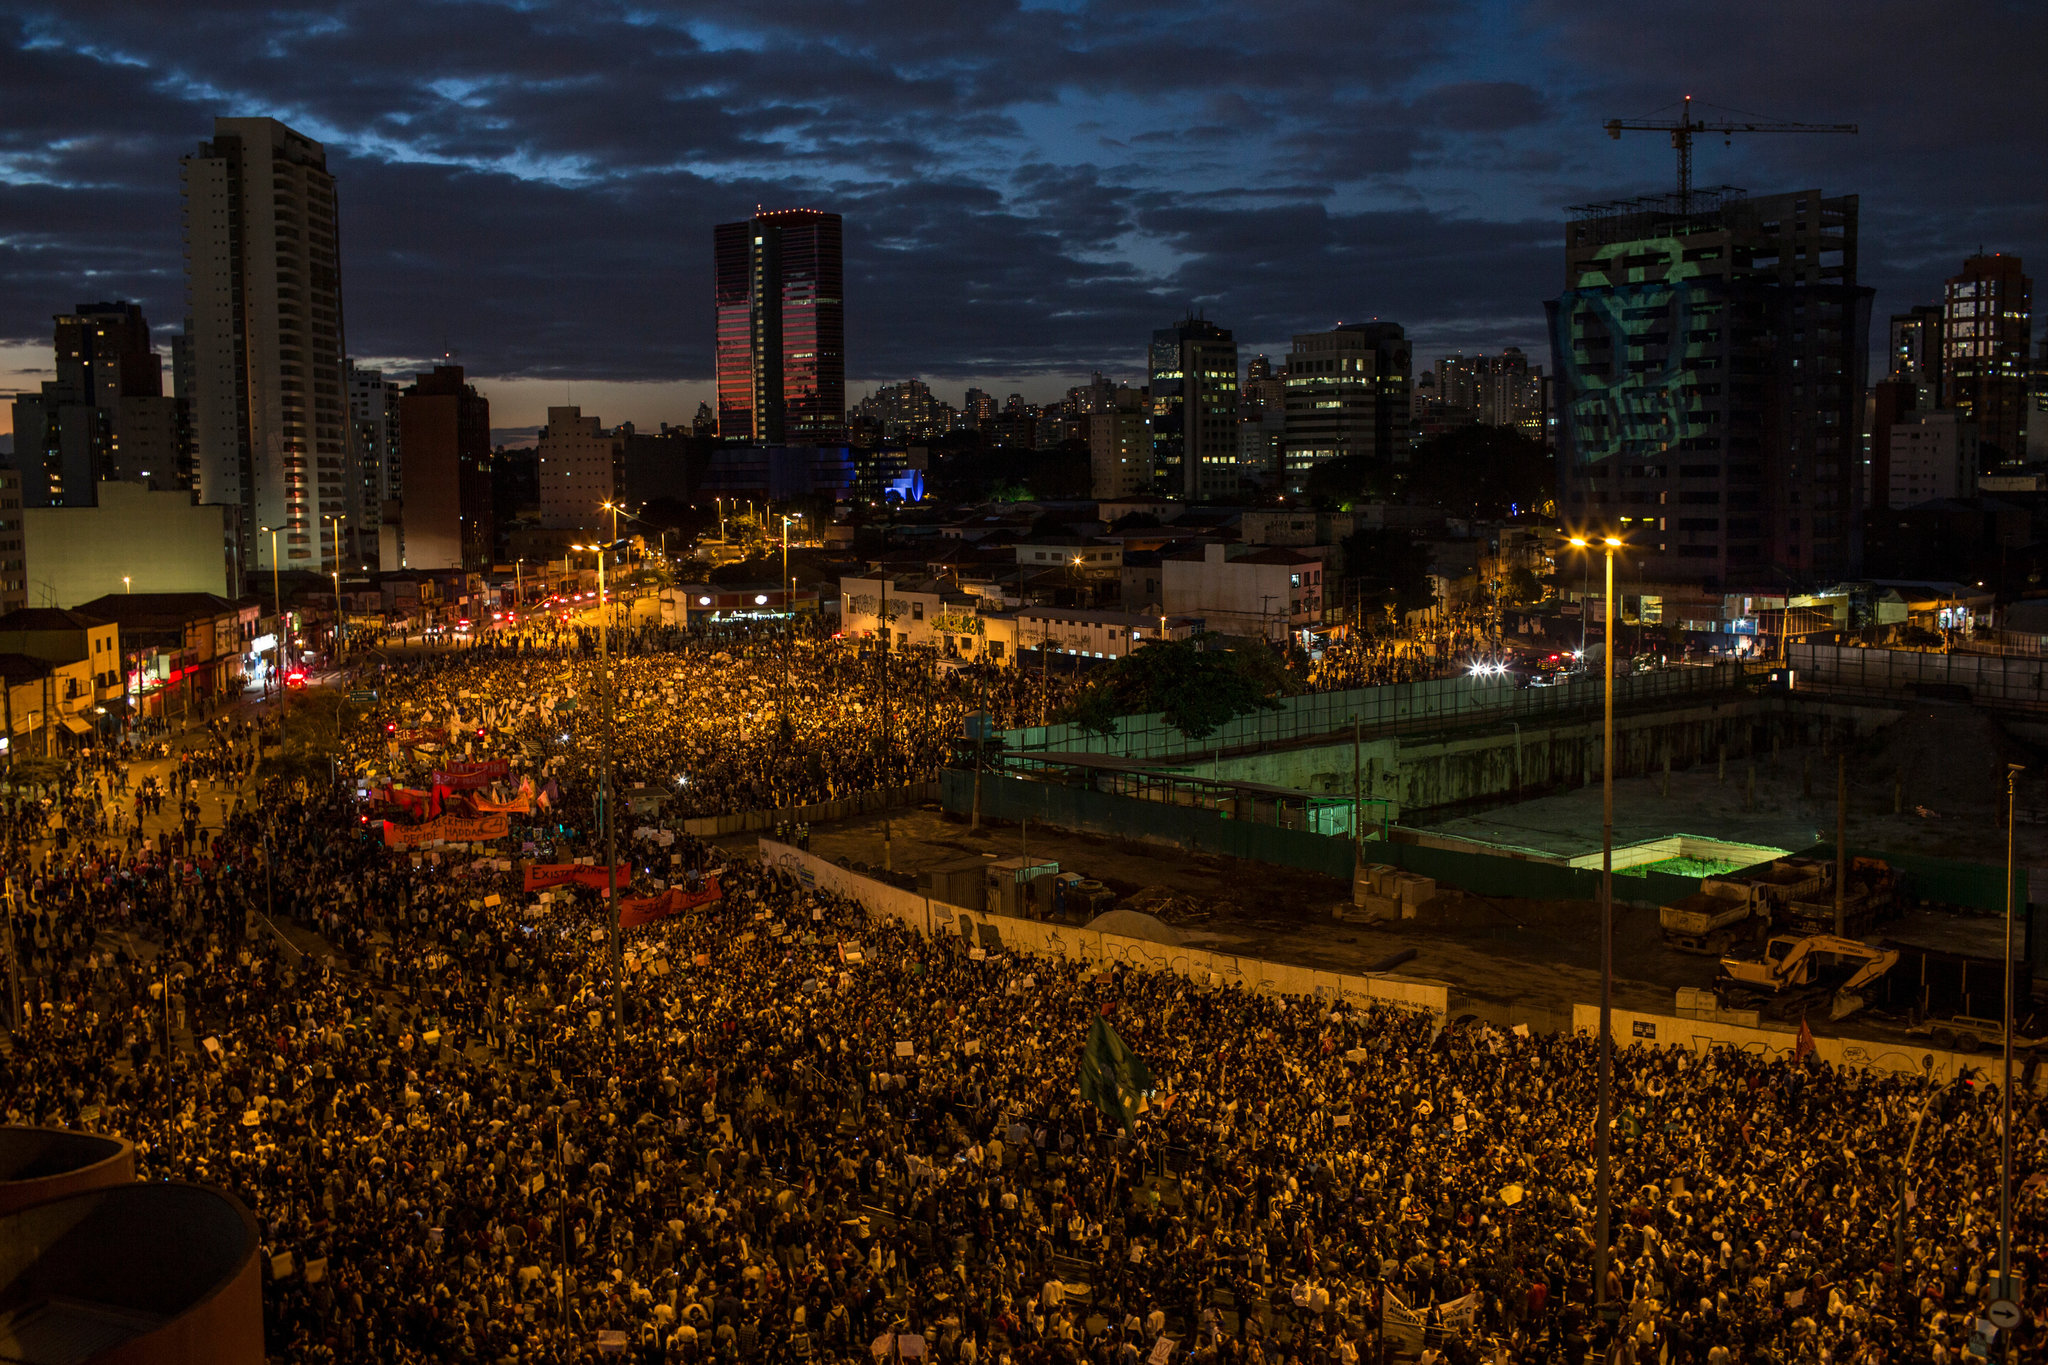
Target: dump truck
x: 1792, y: 895
x: 1726, y: 910
x: 1711, y: 919
x: 1871, y: 896
x: 1791, y: 965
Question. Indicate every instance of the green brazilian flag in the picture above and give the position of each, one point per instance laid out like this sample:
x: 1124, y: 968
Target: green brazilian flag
x: 1113, y: 1078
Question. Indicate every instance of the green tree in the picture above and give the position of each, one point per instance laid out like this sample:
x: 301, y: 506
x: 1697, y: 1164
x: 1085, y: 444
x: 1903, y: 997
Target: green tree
x: 1197, y: 685
x: 1483, y: 471
x: 1388, y: 569
x: 1349, y: 479
x: 1523, y: 587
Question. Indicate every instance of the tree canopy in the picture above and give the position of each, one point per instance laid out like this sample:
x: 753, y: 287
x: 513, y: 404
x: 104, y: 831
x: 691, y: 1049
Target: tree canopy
x: 1388, y: 569
x: 1198, y: 685
x: 1482, y: 471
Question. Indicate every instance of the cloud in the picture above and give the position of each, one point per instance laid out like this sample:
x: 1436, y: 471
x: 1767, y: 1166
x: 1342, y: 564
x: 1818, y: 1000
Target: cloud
x: 1029, y: 189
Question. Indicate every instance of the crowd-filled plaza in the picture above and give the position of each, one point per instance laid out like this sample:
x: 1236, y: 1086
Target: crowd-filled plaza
x: 819, y: 1135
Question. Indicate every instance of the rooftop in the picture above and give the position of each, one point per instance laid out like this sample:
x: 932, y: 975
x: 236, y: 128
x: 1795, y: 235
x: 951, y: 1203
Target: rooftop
x: 24, y: 619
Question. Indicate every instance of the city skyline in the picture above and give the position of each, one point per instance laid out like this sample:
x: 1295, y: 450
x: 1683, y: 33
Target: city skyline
x: 1310, y: 171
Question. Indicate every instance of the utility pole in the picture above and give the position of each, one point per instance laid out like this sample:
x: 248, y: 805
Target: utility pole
x: 1841, y: 845
x: 605, y: 797
x: 2012, y: 776
x: 888, y: 742
x: 13, y: 965
x: 337, y: 519
x: 1357, y: 797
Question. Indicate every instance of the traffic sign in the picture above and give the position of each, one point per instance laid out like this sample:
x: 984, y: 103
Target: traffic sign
x: 363, y: 696
x: 2003, y: 1314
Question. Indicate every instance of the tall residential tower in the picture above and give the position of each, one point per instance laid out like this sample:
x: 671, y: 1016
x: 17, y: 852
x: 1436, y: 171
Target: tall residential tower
x: 270, y: 420
x: 1193, y: 368
x: 1710, y: 367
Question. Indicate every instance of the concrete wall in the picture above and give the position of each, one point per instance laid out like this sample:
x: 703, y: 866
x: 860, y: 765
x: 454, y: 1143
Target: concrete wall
x: 161, y: 541
x: 1000, y: 933
x: 1697, y: 1035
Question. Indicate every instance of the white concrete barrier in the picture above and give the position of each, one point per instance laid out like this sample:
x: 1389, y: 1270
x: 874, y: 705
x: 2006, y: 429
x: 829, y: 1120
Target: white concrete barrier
x: 1698, y: 1035
x: 928, y: 916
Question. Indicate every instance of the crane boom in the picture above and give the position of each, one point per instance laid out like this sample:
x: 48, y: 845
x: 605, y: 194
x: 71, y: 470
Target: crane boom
x: 1682, y: 134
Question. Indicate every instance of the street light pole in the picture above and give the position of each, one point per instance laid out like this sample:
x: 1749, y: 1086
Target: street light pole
x: 1603, y: 1171
x: 605, y: 797
x: 337, y: 519
x: 277, y: 608
x: 2012, y: 774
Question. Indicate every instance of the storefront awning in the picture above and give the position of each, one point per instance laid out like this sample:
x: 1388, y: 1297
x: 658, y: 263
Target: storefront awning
x: 76, y: 726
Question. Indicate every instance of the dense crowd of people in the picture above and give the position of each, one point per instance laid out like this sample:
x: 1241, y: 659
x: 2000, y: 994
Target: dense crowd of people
x: 819, y: 1135
x: 717, y: 722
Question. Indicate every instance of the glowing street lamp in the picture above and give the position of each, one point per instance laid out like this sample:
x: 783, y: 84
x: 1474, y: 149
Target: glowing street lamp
x: 1603, y: 1174
x: 605, y: 784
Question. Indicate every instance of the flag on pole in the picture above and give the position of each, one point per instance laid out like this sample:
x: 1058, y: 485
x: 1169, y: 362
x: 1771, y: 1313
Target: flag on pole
x: 1113, y: 1078
x: 1805, y: 1043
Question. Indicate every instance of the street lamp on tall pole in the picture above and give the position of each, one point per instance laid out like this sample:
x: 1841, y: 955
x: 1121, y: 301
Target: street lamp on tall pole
x: 335, y: 519
x: 277, y: 607
x: 2012, y: 777
x: 1603, y: 1172
x: 605, y: 795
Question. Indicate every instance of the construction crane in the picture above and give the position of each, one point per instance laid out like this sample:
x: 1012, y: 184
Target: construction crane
x: 1682, y: 135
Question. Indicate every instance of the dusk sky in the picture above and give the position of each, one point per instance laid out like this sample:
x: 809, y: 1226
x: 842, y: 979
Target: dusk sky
x: 1028, y: 189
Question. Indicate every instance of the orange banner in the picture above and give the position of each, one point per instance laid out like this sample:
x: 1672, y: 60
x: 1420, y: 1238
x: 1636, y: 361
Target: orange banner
x: 540, y: 876
x: 452, y: 828
x: 635, y: 911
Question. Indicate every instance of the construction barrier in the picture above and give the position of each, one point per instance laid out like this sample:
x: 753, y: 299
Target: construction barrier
x: 1776, y: 1044
x: 1003, y: 933
x: 861, y: 803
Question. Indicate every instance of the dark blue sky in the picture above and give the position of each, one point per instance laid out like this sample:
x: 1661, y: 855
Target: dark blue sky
x: 1028, y: 188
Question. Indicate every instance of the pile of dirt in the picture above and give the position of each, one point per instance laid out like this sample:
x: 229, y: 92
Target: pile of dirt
x: 1952, y: 759
x: 1172, y: 907
x: 1128, y: 923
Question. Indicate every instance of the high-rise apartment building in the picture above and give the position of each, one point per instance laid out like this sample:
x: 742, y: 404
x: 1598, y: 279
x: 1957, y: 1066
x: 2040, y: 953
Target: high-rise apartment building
x: 2037, y: 419
x: 1193, y: 368
x: 1986, y: 327
x: 270, y: 421
x: 781, y: 329
x: 1914, y: 349
x: 1490, y: 390
x: 13, y: 562
x: 1261, y: 421
x: 977, y: 409
x: 909, y: 411
x: 105, y: 415
x: 373, y: 431
x: 1931, y: 455
x: 445, y: 491
x: 582, y: 467
x: 1710, y: 372
x: 1347, y: 394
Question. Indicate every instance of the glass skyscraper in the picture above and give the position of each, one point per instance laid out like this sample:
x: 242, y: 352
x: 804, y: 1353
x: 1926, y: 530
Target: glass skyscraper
x: 781, y: 329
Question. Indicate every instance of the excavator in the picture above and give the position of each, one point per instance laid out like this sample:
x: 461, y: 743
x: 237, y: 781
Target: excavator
x: 1789, y: 963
